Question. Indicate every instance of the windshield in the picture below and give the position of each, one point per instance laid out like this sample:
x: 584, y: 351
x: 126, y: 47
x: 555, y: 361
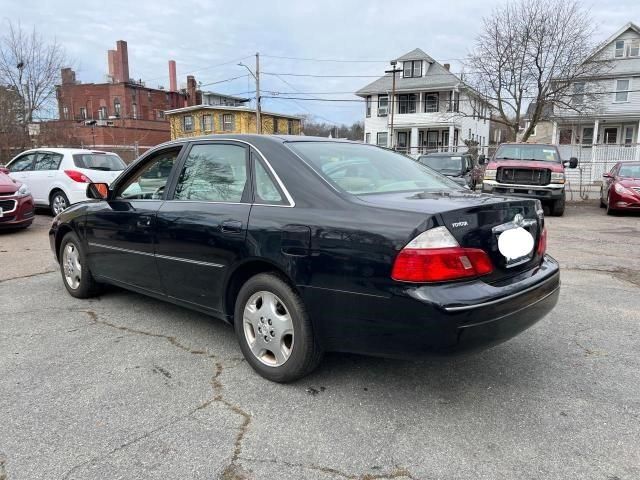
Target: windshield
x: 362, y: 169
x: 542, y: 153
x: 443, y: 163
x: 99, y: 161
x: 632, y: 171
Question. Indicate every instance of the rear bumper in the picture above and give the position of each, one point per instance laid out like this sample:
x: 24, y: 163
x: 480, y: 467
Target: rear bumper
x: 436, y: 320
x: 542, y: 192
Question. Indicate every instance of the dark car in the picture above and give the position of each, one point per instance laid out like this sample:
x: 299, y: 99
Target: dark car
x: 16, y: 203
x: 621, y: 188
x: 459, y: 167
x: 529, y: 170
x: 304, y: 250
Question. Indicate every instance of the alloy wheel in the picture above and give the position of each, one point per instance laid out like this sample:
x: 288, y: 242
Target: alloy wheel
x: 268, y: 328
x: 71, y: 266
x: 59, y: 204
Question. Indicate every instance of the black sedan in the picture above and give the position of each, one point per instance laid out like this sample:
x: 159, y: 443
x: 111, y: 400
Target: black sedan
x: 307, y: 245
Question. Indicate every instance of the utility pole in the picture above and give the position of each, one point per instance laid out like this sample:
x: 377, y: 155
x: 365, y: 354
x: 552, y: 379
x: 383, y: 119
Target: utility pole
x: 393, y: 72
x: 258, y: 108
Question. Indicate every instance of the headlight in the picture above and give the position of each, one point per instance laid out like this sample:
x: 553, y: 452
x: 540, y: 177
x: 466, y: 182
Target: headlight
x: 490, y: 174
x: 557, y: 177
x: 23, y: 191
x: 621, y: 190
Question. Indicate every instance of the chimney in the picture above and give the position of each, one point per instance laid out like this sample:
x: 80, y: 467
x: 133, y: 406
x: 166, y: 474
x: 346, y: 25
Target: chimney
x: 119, y: 62
x: 68, y: 76
x: 192, y: 94
x: 447, y: 66
x: 173, y: 80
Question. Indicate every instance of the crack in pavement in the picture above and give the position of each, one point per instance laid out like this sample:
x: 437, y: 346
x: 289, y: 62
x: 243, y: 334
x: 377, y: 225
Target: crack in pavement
x: 624, y: 274
x: 27, y: 276
x: 216, y: 385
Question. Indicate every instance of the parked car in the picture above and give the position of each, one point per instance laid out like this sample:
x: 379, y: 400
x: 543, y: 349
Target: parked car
x: 303, y: 256
x: 621, y: 188
x: 529, y: 170
x: 58, y: 177
x: 459, y: 167
x: 16, y: 202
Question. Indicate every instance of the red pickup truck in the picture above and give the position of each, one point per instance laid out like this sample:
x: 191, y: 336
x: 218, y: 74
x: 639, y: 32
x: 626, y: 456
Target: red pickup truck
x: 529, y: 170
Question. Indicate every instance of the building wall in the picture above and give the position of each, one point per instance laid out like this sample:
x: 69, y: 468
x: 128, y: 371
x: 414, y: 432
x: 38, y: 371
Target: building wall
x: 244, y: 122
x: 543, y: 133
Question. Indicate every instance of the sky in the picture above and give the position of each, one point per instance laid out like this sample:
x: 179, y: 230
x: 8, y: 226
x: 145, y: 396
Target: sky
x: 208, y: 38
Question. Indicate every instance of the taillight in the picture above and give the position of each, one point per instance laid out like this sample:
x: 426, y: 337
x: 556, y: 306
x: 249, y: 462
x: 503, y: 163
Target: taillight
x: 77, y: 176
x: 542, y: 242
x: 436, y: 256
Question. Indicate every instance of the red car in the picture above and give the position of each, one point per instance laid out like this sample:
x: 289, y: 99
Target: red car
x: 16, y: 202
x: 621, y: 188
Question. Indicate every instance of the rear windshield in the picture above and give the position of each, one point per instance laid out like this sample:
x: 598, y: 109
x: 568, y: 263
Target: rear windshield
x: 630, y: 171
x: 442, y: 163
x: 362, y: 169
x: 542, y: 153
x: 99, y: 161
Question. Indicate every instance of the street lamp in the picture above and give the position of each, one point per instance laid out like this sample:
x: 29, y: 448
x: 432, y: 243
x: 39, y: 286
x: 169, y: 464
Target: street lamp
x: 256, y: 77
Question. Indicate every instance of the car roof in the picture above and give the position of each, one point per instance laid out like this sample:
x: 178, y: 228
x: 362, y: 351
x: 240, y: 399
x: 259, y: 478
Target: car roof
x: 251, y: 138
x: 65, y: 150
x: 445, y: 154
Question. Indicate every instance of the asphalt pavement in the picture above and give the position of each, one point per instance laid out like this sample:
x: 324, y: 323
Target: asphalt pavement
x: 127, y: 387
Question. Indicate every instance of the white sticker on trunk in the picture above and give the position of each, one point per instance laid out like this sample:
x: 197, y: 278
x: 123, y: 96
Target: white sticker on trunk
x: 515, y: 243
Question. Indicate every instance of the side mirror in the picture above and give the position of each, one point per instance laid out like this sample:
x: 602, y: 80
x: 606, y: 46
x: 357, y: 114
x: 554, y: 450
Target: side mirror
x: 4, y: 170
x: 98, y: 191
x: 573, y: 162
x: 482, y: 160
x: 607, y: 175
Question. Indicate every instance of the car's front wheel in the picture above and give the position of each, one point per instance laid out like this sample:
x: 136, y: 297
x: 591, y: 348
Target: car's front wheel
x: 58, y: 202
x: 274, y: 330
x: 557, y: 207
x: 76, y: 275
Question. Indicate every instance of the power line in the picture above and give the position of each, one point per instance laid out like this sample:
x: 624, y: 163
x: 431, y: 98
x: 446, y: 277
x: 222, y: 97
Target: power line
x: 344, y: 60
x: 211, y: 67
x: 223, y: 81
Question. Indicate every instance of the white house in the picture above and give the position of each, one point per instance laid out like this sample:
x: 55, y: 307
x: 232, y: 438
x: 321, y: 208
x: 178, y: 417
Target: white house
x: 433, y: 108
x: 610, y: 131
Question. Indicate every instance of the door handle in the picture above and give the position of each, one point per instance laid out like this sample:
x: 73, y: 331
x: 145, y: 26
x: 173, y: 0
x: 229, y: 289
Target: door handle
x: 231, y: 226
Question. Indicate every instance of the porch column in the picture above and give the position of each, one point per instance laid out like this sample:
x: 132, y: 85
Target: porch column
x: 452, y: 130
x: 554, y: 132
x: 414, y: 140
x: 596, y: 127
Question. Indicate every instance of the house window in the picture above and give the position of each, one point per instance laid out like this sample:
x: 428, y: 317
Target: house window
x: 289, y: 127
x: 207, y: 124
x: 407, y: 103
x: 381, y: 139
x: 611, y: 135
x: 454, y: 102
x: 565, y: 136
x: 383, y: 105
x: 275, y: 126
x: 367, y: 138
x: 578, y: 93
x: 628, y: 135
x: 634, y: 48
x: 83, y: 113
x: 412, y: 68
x: 368, y: 105
x: 227, y: 122
x: 116, y: 107
x: 587, y: 135
x: 187, y: 123
x: 134, y: 110
x: 622, y: 90
x: 431, y: 101
x: 102, y: 113
x: 619, y: 48
x: 432, y: 139
x: 65, y: 113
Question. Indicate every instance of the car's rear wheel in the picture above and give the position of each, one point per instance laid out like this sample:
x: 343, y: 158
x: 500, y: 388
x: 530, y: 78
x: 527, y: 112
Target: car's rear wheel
x: 274, y: 330
x: 76, y: 275
x: 602, y: 204
x: 58, y: 202
x: 557, y: 207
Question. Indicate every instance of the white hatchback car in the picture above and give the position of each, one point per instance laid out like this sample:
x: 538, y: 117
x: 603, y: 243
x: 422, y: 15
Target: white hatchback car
x: 58, y: 177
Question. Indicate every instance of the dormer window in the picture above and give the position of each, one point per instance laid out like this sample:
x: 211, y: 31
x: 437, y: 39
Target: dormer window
x: 620, y: 48
x: 412, y: 68
x: 628, y: 48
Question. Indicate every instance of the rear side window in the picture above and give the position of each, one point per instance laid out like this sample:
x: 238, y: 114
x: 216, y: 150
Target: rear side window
x: 266, y: 191
x: 99, y: 161
x: 48, y: 161
x: 213, y: 173
x: 22, y: 164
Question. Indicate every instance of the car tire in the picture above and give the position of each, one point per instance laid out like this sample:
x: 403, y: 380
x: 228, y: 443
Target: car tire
x: 610, y: 211
x: 274, y: 330
x: 58, y: 202
x: 76, y: 275
x: 557, y: 207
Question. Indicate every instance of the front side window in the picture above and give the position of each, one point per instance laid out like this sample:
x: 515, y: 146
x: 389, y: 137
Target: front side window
x: 383, y: 105
x: 622, y: 90
x: 107, y: 162
x: 47, y: 161
x: 363, y: 169
x: 187, y: 123
x: 22, y: 164
x: 381, y: 139
x: 150, y: 180
x: 227, y: 122
x: 213, y: 173
x: 266, y: 190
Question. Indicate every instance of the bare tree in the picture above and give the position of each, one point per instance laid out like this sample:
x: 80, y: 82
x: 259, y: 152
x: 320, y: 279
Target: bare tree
x: 534, y: 52
x: 30, y: 66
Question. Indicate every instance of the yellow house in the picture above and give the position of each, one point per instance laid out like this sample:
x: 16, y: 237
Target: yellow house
x: 207, y: 119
